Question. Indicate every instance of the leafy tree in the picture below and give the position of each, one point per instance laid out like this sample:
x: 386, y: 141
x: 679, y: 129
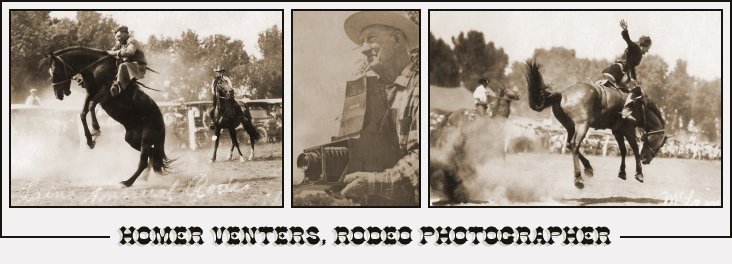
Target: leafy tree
x: 477, y: 59
x: 29, y: 41
x: 444, y: 69
x: 95, y: 30
x: 265, y: 74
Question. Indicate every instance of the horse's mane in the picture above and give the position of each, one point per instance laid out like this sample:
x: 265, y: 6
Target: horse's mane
x: 654, y: 108
x: 75, y: 48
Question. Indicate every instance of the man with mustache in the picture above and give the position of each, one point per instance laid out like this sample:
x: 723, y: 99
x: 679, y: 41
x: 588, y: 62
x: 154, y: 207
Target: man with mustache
x: 390, y: 42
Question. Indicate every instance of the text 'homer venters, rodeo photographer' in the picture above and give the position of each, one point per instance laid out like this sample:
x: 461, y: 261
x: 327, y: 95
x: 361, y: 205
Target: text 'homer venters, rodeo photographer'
x: 280, y: 235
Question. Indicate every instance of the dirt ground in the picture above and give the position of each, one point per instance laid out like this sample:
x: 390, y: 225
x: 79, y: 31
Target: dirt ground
x: 546, y: 179
x: 77, y: 176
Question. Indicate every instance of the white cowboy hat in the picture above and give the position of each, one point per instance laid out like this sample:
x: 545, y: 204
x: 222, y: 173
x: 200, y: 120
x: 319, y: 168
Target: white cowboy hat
x: 357, y: 22
x: 219, y: 69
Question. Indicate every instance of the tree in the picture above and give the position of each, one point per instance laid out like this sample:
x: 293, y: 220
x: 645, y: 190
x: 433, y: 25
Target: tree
x: 265, y: 74
x: 652, y: 74
x: 96, y: 31
x: 706, y: 107
x: 444, y: 69
x: 677, y: 96
x: 29, y: 41
x: 477, y: 59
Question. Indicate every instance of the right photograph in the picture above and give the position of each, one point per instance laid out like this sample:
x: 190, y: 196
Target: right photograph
x: 575, y: 108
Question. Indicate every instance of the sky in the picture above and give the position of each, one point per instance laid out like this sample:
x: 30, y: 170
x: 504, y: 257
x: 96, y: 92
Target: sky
x: 243, y: 25
x: 692, y: 36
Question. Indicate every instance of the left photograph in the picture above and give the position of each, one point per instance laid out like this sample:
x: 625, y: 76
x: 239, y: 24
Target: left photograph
x: 146, y: 108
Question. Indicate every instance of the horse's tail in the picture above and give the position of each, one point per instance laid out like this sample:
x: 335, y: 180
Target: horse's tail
x: 161, y: 163
x: 539, y: 96
x: 251, y: 129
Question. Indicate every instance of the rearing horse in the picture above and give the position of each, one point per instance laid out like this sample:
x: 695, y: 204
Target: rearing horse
x: 583, y: 106
x: 135, y: 110
x: 228, y: 114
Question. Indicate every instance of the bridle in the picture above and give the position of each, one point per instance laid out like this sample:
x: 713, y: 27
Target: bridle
x: 70, y: 72
x: 644, y: 138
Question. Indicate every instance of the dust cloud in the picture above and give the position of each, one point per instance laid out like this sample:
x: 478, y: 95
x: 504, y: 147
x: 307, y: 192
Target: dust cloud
x: 468, y: 165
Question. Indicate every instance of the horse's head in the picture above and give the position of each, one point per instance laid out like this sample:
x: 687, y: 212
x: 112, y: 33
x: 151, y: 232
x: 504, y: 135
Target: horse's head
x: 61, y: 74
x: 654, y: 131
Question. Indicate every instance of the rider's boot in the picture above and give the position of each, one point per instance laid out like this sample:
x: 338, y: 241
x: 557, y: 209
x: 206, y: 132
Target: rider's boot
x: 627, y: 112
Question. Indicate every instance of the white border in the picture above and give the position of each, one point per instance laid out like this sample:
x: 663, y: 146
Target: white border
x: 630, y: 221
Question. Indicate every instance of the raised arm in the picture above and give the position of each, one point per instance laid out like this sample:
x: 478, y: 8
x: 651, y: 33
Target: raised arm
x: 625, y: 34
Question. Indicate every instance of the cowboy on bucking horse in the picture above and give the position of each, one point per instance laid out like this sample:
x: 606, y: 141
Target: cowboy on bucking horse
x: 625, y: 67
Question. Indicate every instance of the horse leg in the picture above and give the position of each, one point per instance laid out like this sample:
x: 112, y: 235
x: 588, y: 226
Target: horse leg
x: 623, y: 151
x: 217, y: 133
x: 231, y: 151
x: 576, y: 144
x: 235, y: 143
x: 146, y: 175
x: 251, y: 152
x: 82, y: 115
x: 636, y: 154
x: 95, y: 124
x: 586, y: 163
x: 142, y: 165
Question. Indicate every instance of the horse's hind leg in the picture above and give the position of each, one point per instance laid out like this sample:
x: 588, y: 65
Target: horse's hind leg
x: 251, y: 145
x: 623, y: 151
x: 580, y: 131
x: 586, y: 163
x: 142, y: 165
x: 235, y: 144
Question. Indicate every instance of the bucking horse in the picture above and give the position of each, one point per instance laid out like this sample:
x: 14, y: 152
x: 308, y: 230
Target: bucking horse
x: 135, y: 110
x: 583, y: 105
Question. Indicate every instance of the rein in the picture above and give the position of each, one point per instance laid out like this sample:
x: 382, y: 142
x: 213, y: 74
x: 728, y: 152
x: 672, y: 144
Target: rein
x: 646, y: 133
x: 68, y: 77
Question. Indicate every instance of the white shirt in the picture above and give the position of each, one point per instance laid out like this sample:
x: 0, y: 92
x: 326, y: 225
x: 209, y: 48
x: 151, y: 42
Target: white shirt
x: 481, y: 94
x: 33, y: 100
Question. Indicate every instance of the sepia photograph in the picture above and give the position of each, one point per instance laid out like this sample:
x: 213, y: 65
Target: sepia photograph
x: 146, y: 108
x: 355, y: 83
x: 575, y: 108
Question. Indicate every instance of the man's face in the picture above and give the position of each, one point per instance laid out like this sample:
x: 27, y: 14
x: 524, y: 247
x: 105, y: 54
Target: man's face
x: 219, y: 74
x: 644, y: 49
x: 380, y: 44
x: 121, y: 36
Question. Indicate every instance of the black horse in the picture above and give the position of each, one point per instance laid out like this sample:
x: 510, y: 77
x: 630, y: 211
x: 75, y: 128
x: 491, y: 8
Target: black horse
x: 583, y: 106
x: 228, y: 114
x: 135, y: 110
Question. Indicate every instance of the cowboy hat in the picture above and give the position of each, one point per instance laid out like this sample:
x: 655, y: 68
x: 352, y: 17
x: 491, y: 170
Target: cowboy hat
x: 219, y: 69
x: 357, y: 22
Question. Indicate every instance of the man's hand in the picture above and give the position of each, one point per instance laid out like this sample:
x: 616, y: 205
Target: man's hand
x: 357, y: 184
x: 623, y: 24
x: 112, y: 52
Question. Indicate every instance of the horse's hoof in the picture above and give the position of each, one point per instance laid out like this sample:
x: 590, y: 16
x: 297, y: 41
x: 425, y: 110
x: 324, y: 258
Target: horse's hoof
x: 211, y: 160
x: 125, y: 184
x: 579, y: 184
x: 91, y: 144
x: 621, y: 175
x: 639, y: 177
x: 241, y: 159
x: 589, y: 172
x: 96, y: 133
